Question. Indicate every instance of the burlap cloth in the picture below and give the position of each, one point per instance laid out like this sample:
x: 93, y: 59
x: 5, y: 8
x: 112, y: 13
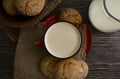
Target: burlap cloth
x: 28, y: 57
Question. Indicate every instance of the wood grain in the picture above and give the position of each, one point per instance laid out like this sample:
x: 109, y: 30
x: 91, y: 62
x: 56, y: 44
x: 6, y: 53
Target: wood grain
x: 103, y: 58
x: 12, y: 34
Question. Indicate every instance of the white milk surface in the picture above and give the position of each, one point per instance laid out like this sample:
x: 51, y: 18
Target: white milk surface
x: 113, y: 7
x: 99, y: 19
x: 62, y: 40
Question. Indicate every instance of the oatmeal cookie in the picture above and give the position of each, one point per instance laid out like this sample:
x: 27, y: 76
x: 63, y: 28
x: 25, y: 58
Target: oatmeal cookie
x: 47, y: 66
x: 9, y: 6
x: 30, y: 7
x: 84, y: 68
x: 71, y: 69
x: 70, y: 15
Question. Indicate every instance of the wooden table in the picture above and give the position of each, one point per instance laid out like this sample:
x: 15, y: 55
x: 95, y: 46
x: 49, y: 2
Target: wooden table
x: 103, y: 58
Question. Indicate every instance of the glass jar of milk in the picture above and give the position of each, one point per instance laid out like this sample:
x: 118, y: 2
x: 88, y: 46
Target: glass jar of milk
x: 105, y: 15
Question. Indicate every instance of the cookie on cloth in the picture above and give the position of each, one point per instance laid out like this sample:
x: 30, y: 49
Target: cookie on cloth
x: 47, y: 66
x: 70, y: 15
x: 71, y: 69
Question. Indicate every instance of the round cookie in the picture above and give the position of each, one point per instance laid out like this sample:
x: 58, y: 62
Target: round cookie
x: 9, y: 7
x: 47, y: 66
x: 30, y: 7
x: 70, y: 15
x: 83, y: 68
x: 71, y: 69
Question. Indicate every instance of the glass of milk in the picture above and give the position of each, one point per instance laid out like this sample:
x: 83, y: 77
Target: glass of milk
x: 105, y: 15
x: 112, y: 9
x: 63, y: 40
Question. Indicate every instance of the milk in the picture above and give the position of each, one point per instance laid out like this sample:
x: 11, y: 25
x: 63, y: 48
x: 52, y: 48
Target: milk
x: 62, y: 40
x: 113, y: 9
x: 99, y: 18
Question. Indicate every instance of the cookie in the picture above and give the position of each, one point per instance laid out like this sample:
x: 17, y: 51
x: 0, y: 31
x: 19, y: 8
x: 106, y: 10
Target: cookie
x: 71, y: 69
x: 83, y: 68
x: 47, y: 66
x: 30, y: 7
x: 9, y: 6
x: 70, y: 15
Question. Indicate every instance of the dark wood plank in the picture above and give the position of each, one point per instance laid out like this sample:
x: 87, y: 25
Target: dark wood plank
x: 7, y: 49
x: 103, y: 58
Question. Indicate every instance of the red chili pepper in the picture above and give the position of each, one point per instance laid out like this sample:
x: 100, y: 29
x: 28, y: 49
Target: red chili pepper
x: 50, y: 20
x: 39, y: 43
x: 88, y: 40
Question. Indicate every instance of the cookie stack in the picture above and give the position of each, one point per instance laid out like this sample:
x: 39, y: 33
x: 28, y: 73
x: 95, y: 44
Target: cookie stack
x: 25, y: 7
